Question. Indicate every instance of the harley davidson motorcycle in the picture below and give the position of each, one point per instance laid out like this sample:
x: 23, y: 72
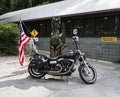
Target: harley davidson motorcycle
x: 63, y: 65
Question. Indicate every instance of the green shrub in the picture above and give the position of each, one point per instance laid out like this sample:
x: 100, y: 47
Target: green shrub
x: 8, y: 39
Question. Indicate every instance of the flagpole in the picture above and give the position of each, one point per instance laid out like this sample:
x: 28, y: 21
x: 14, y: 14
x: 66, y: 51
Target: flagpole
x: 23, y: 40
x: 34, y: 43
x: 33, y: 38
x: 25, y: 26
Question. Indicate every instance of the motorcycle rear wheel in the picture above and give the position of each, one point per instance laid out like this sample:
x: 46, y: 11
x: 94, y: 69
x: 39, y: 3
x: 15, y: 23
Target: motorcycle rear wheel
x: 88, y: 77
x: 34, y: 72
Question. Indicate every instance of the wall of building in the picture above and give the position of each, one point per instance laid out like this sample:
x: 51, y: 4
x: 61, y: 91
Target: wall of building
x: 43, y: 44
x: 93, y: 47
x: 90, y: 31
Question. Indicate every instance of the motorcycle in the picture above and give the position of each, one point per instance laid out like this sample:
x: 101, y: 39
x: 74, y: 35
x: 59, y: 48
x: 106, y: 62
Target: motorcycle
x: 63, y: 65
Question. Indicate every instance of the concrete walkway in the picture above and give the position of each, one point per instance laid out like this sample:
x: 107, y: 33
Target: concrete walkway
x: 16, y: 82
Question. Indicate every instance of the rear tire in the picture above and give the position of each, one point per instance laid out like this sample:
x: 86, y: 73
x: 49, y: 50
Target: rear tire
x: 90, y: 77
x: 34, y: 72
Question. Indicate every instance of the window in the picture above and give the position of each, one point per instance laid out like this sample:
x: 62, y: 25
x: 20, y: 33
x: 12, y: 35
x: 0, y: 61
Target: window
x: 100, y: 26
x: 86, y: 26
x: 89, y: 26
x: 117, y: 25
x: 80, y: 25
x: 44, y: 29
x: 105, y: 25
x: 68, y: 27
x: 48, y: 29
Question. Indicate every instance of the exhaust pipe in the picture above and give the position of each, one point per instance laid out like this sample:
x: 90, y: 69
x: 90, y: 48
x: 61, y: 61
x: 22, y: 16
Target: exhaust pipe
x: 59, y: 73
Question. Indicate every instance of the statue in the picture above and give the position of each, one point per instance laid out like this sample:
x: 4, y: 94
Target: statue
x: 55, y: 41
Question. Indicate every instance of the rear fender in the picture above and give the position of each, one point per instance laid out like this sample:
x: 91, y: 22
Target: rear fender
x: 31, y: 65
x: 37, y: 62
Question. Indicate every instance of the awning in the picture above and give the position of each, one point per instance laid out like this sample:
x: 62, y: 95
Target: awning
x: 62, y: 8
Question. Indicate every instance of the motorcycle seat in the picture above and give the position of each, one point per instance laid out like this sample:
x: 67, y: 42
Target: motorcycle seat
x: 66, y: 56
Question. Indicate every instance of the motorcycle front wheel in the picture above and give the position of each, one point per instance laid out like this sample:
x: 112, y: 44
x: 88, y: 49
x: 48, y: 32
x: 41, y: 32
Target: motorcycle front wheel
x: 90, y: 76
x: 34, y: 72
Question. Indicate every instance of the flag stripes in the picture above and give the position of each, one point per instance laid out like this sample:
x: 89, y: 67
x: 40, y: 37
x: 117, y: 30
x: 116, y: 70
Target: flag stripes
x: 23, y: 40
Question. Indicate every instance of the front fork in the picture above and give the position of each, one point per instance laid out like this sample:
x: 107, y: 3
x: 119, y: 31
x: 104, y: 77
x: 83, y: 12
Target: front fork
x: 85, y: 64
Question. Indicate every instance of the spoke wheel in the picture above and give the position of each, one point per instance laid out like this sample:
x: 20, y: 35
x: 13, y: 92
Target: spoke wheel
x: 35, y: 72
x: 90, y: 76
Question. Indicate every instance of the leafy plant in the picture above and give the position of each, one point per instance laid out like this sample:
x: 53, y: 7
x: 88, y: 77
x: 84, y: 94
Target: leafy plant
x: 8, y: 39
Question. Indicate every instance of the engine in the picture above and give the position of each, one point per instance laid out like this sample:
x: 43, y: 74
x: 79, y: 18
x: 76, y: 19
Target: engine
x: 67, y: 66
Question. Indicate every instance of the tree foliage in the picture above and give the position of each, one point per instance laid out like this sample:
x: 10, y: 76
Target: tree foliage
x: 13, y: 5
x: 8, y: 39
x: 4, y: 6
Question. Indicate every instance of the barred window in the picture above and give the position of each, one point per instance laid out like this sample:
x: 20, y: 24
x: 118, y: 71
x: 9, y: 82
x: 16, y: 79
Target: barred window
x: 68, y: 27
x: 98, y: 26
x: 85, y: 26
x: 105, y: 25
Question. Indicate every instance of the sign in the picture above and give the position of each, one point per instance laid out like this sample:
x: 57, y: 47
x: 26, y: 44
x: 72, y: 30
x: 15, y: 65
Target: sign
x: 35, y: 38
x: 109, y: 39
x: 34, y: 33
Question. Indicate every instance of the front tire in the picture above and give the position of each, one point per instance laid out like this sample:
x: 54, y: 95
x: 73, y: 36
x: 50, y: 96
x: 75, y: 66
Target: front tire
x: 34, y: 72
x: 90, y: 76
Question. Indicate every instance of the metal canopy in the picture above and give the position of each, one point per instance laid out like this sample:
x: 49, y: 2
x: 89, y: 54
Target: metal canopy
x: 62, y: 8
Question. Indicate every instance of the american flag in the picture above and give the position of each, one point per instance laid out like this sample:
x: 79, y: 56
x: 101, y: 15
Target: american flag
x: 22, y: 41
